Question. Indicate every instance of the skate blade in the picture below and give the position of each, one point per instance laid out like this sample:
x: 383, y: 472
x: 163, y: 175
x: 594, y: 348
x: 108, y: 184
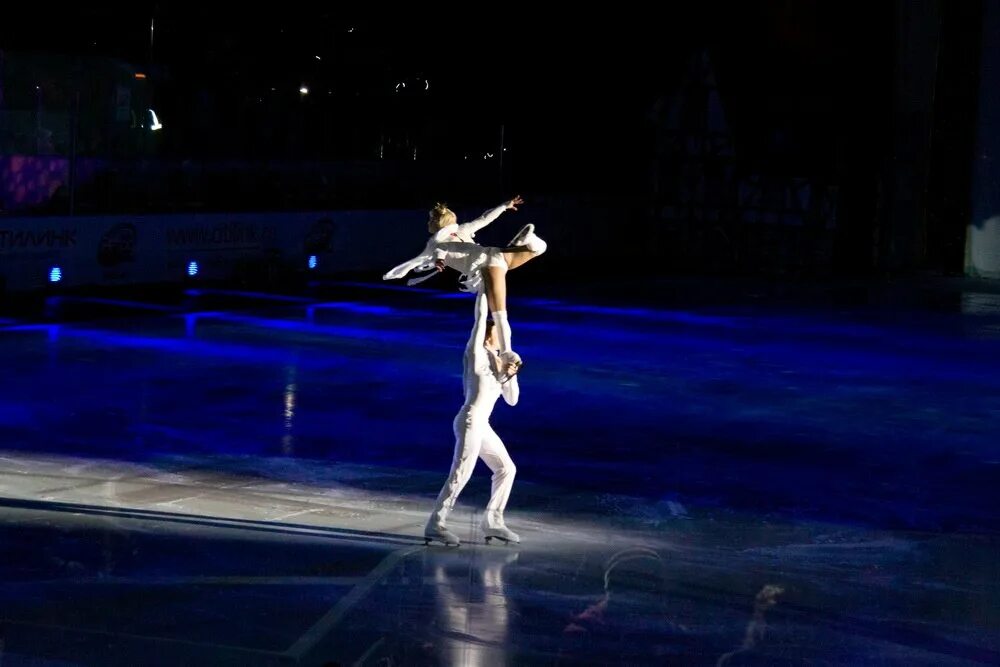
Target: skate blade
x: 450, y: 545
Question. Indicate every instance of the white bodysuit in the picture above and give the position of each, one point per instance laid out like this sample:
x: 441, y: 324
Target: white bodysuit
x: 455, y: 245
x: 474, y: 437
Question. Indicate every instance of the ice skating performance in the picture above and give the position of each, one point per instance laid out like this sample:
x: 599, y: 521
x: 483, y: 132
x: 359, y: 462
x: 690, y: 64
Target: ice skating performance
x: 475, y: 438
x: 484, y: 269
x: 490, y: 365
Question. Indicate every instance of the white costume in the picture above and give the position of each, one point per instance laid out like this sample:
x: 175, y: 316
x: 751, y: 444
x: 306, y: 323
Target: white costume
x: 475, y: 438
x: 455, y: 245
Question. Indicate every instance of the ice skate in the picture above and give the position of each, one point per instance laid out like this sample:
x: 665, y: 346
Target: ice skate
x: 440, y: 534
x: 502, y: 533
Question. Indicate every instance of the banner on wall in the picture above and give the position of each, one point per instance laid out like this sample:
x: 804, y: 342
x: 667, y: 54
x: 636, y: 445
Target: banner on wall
x: 14, y: 241
x: 122, y: 250
x: 119, y: 250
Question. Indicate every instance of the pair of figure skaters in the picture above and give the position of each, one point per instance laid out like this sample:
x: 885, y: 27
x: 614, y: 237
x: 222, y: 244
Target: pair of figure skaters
x: 490, y: 365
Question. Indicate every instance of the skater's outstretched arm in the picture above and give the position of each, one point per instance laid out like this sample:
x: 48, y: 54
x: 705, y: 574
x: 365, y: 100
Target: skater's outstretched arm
x: 489, y: 216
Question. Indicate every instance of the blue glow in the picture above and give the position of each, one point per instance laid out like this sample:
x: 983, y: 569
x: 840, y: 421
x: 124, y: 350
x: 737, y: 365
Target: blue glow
x: 312, y: 261
x: 764, y: 407
x: 453, y: 295
x: 365, y: 308
x: 356, y: 333
x: 138, y: 305
x: 386, y: 287
x: 193, y: 269
x: 265, y: 296
x: 55, y: 275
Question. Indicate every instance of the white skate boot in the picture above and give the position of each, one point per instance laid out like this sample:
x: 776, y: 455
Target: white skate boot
x: 535, y: 244
x: 440, y: 534
x: 502, y: 533
x: 527, y: 237
x: 522, y: 236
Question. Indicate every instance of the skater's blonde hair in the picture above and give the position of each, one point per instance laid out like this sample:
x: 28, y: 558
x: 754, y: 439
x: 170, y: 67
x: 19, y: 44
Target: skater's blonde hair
x: 441, y: 216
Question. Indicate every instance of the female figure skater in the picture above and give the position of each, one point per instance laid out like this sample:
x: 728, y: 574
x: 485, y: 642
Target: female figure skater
x: 475, y: 438
x: 452, y: 245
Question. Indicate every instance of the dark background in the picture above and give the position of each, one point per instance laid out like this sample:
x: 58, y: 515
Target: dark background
x: 868, y: 106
